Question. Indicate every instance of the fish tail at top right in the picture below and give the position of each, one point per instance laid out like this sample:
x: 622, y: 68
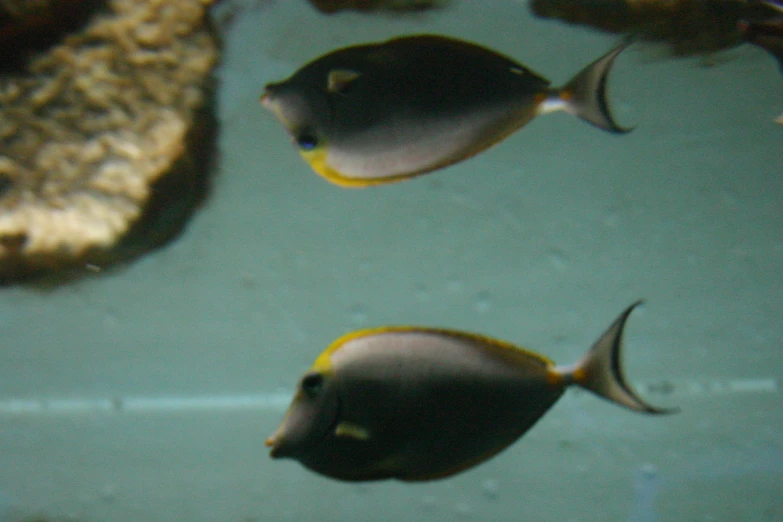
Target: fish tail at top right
x: 585, y: 94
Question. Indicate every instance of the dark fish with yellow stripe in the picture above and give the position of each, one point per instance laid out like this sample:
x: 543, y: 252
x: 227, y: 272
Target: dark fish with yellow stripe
x: 420, y: 404
x: 378, y: 113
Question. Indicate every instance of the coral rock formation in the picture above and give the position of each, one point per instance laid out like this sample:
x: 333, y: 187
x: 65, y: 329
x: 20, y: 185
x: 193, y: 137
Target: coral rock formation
x: 104, y: 137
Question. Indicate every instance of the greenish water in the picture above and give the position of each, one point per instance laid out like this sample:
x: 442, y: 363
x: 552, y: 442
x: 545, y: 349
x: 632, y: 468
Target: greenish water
x: 146, y: 394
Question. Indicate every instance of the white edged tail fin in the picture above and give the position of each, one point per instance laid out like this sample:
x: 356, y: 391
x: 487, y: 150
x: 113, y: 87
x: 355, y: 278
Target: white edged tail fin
x: 601, y: 371
x: 585, y: 94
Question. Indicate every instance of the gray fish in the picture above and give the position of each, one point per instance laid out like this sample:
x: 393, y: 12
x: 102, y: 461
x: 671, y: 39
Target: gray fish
x: 378, y: 113
x: 421, y: 403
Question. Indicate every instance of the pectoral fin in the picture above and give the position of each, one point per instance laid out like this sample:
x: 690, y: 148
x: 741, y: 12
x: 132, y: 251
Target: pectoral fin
x: 352, y: 431
x: 339, y: 80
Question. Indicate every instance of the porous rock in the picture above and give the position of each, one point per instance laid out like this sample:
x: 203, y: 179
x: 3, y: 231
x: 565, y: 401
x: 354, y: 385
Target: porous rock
x: 106, y: 138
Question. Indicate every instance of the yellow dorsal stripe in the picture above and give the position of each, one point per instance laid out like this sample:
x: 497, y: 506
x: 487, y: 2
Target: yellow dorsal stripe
x: 323, y: 362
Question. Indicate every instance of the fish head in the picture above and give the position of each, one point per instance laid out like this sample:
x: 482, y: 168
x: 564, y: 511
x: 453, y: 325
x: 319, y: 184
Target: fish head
x: 310, y: 418
x: 304, y: 111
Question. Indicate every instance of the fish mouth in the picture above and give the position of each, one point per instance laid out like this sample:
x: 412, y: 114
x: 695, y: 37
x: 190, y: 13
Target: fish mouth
x: 298, y: 107
x: 267, y: 96
x: 268, y: 99
x: 273, y: 441
x: 281, y: 446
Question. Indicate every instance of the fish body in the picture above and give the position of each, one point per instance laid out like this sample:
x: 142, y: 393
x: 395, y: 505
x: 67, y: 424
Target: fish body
x: 378, y: 113
x: 766, y: 30
x: 420, y: 404
x: 687, y: 27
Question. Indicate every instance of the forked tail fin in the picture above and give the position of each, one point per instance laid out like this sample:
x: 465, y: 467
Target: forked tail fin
x: 601, y: 372
x: 585, y: 94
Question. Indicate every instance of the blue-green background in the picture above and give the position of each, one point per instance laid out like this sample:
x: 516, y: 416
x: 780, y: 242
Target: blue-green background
x: 541, y: 241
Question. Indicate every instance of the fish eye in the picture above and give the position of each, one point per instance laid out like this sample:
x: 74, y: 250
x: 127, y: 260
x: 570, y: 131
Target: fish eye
x: 306, y: 141
x: 312, y: 383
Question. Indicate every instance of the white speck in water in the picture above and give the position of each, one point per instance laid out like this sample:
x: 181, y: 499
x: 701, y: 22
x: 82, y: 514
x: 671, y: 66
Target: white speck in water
x: 300, y: 336
x: 454, y: 286
x: 483, y: 302
x: 428, y: 503
x: 462, y: 509
x: 110, y: 319
x: 422, y: 294
x: 108, y: 493
x: 649, y: 470
x: 558, y: 259
x: 358, y: 314
x: 728, y: 198
x: 612, y: 219
x: 490, y: 487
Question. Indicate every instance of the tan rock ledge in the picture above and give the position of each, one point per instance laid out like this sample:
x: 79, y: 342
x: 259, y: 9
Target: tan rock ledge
x: 106, y: 138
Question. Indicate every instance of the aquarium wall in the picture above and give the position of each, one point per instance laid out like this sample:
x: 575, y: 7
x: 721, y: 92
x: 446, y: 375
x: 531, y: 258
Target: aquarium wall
x: 145, y: 390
